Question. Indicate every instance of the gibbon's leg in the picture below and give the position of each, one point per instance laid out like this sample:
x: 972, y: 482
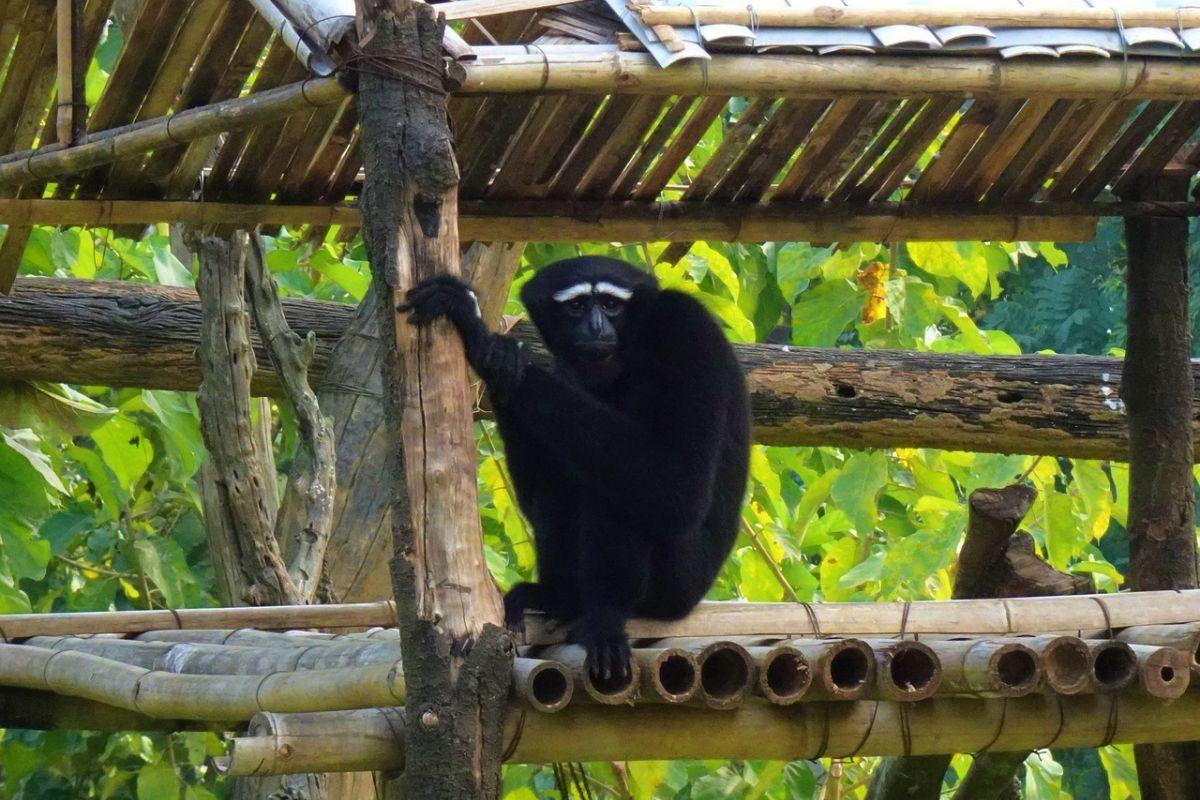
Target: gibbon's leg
x: 614, y: 572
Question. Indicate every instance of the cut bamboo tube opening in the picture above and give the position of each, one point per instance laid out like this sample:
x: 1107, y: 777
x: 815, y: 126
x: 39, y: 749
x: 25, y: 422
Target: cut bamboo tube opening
x: 612, y: 691
x: 1066, y: 662
x: 726, y: 675
x: 842, y: 669
x: 1185, y: 637
x: 784, y: 674
x: 1114, y: 665
x: 1163, y: 672
x: 670, y: 674
x: 545, y: 685
x: 988, y: 668
x: 762, y: 731
x: 905, y: 670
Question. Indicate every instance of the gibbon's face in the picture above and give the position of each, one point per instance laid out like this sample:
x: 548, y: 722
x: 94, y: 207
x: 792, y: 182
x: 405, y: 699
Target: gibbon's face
x: 590, y: 315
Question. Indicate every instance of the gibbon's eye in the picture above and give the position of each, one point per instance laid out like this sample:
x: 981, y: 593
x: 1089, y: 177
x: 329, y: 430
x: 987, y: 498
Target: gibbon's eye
x: 576, y: 306
x: 611, y: 305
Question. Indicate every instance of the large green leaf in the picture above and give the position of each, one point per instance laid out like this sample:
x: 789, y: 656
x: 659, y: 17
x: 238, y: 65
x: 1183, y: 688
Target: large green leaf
x: 127, y: 452
x: 824, y: 311
x: 856, y: 490
x: 157, y: 782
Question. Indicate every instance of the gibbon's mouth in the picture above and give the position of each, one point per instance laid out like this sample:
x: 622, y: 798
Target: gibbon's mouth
x: 596, y: 351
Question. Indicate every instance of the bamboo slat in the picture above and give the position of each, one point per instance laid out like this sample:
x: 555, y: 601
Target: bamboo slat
x: 1004, y: 617
x: 877, y: 14
x: 827, y: 138
x: 542, y: 148
x: 1092, y: 145
x: 621, y: 146
x: 702, y: 116
x: 895, y: 167
x: 1062, y: 146
x: 957, y: 184
x: 898, y: 120
x: 1031, y: 150
x: 650, y: 149
x: 1159, y: 151
x: 785, y: 138
x: 1123, y: 149
x: 1025, y: 124
x: 593, y: 142
x: 958, y: 144
x: 36, y: 25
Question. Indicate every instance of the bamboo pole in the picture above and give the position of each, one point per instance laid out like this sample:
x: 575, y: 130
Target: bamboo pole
x: 347, y: 615
x: 204, y: 659
x: 842, y: 669
x: 1163, y: 672
x: 879, y: 14
x: 244, y: 637
x: 905, y: 670
x: 545, y: 685
x: 669, y: 674
x: 71, y: 111
x: 999, y: 617
x: 1185, y: 638
x: 183, y: 126
x: 1114, y: 665
x: 600, y: 70
x: 585, y: 732
x: 201, y: 697
x: 276, y: 744
x: 988, y: 668
x: 613, y: 690
x: 784, y: 674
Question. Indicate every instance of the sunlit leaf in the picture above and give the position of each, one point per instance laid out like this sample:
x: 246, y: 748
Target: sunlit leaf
x: 857, y: 488
x: 824, y: 311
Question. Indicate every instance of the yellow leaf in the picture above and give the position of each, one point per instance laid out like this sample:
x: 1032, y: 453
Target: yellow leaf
x: 872, y: 279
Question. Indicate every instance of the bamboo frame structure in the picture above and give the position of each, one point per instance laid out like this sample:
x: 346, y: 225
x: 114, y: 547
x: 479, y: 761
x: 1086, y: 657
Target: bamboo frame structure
x: 367, y: 740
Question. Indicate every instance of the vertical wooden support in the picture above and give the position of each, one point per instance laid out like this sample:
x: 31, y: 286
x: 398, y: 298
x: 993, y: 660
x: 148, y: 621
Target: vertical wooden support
x: 457, y: 656
x: 71, y: 113
x: 1157, y: 388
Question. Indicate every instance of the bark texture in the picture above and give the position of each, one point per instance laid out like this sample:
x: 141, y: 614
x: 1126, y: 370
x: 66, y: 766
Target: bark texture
x: 1157, y: 387
x: 458, y: 659
x: 111, y: 333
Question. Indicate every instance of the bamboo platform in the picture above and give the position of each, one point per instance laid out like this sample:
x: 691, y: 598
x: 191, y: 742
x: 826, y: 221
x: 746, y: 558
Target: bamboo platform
x: 828, y: 679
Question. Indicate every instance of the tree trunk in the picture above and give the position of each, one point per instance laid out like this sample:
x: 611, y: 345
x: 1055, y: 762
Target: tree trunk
x: 457, y: 658
x: 1157, y: 386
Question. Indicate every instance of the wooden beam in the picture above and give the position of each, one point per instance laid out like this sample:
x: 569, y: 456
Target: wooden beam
x: 184, y: 126
x: 637, y: 221
x: 126, y: 334
x: 877, y: 14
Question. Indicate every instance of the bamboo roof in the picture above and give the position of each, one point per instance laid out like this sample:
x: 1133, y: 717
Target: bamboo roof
x: 581, y: 120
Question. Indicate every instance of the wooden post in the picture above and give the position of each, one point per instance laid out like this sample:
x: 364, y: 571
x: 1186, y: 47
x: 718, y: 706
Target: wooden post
x: 457, y: 656
x: 1157, y: 389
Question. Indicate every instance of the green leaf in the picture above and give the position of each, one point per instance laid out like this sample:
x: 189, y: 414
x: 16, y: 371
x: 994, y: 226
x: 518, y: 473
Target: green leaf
x: 856, y: 490
x: 157, y: 782
x: 795, y: 265
x: 168, y: 269
x: 757, y: 581
x: 718, y: 266
x: 349, y: 280
x: 27, y: 555
x: 1062, y: 529
x: 126, y: 451
x: 28, y: 447
x: 180, y: 428
x: 12, y: 599
x: 964, y: 262
x: 824, y: 312
x: 163, y: 562
x: 837, y: 562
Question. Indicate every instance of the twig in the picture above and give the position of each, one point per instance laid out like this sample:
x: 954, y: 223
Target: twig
x: 112, y: 573
x: 766, y: 556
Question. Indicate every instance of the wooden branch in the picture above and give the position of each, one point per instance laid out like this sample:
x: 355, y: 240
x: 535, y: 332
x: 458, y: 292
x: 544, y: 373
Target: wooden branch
x: 132, y: 334
x: 183, y: 126
x: 227, y: 363
x: 314, y: 475
x: 367, y: 739
x: 878, y: 14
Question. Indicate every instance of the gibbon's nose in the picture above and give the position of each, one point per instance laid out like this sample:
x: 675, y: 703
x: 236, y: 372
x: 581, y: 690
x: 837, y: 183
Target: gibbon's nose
x: 599, y: 328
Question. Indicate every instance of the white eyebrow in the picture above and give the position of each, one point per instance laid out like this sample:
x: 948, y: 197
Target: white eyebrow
x: 571, y: 292
x: 619, y: 292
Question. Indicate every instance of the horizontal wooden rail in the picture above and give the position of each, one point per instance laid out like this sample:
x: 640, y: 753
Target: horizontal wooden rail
x: 125, y: 334
x: 632, y: 221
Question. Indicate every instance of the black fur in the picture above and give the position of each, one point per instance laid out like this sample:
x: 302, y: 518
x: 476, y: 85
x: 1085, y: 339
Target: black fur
x: 631, y: 464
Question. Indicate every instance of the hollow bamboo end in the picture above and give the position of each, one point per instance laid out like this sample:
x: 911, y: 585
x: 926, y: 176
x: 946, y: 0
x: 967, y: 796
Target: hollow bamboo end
x: 784, y: 675
x: 615, y: 690
x: 1066, y: 665
x: 907, y: 671
x: 1016, y: 670
x: 1114, y: 666
x: 544, y: 685
x: 844, y: 671
x: 1165, y: 672
x: 672, y: 675
x: 726, y: 674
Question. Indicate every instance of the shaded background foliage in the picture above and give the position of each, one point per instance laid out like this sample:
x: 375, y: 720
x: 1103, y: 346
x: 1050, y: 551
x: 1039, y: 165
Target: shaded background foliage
x: 99, y: 506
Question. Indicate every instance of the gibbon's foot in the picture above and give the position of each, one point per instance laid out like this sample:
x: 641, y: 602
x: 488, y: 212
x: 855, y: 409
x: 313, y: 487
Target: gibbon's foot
x: 519, y: 599
x: 607, y: 648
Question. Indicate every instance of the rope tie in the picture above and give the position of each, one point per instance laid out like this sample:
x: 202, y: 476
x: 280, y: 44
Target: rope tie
x: 1110, y: 728
x: 905, y: 729
x: 178, y: 619
x: 999, y: 730
x: 869, y: 729
x: 1107, y: 617
x: 1062, y: 723
x: 812, y: 619
x: 399, y: 67
x: 824, y: 730
x: 904, y: 620
x: 545, y: 64
x: 512, y: 746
